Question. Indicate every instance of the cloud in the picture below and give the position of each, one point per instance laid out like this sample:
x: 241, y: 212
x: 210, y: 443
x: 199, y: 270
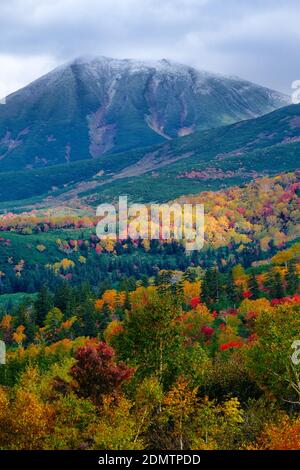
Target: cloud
x: 16, y: 71
x: 255, y: 39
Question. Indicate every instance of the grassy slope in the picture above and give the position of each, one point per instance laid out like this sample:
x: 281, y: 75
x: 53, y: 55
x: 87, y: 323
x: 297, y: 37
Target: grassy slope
x: 10, y: 300
x: 24, y: 246
x: 264, y: 146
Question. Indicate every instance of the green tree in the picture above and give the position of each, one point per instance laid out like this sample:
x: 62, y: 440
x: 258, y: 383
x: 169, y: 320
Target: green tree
x: 292, y: 279
x: 151, y: 339
x: 42, y: 305
x: 269, y: 360
x: 53, y: 321
x: 253, y: 286
x: 274, y: 285
x: 211, y: 286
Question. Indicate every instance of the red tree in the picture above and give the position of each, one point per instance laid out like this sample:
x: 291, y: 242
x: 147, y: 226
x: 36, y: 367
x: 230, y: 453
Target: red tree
x: 96, y: 372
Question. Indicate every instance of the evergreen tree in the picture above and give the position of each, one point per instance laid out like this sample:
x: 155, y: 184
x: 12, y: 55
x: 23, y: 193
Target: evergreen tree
x: 164, y: 280
x: 179, y: 290
x: 63, y: 298
x: 278, y: 286
x: 253, y: 286
x: 211, y: 286
x: 292, y: 279
x: 89, y: 319
x: 233, y: 292
x: 42, y: 305
x: 274, y: 285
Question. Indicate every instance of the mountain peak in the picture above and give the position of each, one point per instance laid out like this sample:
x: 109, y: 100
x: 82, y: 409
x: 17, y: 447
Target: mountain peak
x: 93, y: 105
x: 128, y: 63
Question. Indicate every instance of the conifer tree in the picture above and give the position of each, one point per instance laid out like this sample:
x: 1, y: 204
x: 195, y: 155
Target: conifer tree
x: 42, y: 305
x: 253, y: 286
x: 292, y: 279
x: 211, y: 286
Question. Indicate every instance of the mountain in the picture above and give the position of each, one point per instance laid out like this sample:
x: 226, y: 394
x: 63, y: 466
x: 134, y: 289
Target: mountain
x: 95, y: 106
x: 206, y: 160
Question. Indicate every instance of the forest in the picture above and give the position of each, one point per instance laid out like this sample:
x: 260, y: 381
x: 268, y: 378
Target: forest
x: 139, y: 345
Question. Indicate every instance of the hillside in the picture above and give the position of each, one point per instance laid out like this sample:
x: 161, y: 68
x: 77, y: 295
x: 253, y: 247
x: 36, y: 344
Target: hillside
x: 242, y: 224
x: 208, y: 160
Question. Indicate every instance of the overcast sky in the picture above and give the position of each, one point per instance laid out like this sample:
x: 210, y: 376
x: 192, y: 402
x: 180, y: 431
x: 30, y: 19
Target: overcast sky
x: 255, y: 39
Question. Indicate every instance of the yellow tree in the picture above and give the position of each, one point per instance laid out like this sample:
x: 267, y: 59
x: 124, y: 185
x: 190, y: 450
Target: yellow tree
x: 191, y: 290
x: 239, y: 276
x: 179, y: 405
x: 19, y: 335
x: 6, y: 327
x: 117, y: 428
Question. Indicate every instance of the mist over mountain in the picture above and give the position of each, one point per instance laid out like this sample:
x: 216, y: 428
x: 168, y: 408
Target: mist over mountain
x: 94, y: 106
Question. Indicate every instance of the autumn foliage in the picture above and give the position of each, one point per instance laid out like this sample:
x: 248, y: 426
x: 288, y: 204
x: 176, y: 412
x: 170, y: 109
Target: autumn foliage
x: 96, y: 372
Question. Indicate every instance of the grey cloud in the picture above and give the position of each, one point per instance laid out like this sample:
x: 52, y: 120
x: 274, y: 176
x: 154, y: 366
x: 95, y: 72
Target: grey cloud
x: 256, y: 39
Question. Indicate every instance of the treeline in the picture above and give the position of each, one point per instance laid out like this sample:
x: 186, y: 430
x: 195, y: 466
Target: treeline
x: 128, y: 260
x: 62, y: 310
